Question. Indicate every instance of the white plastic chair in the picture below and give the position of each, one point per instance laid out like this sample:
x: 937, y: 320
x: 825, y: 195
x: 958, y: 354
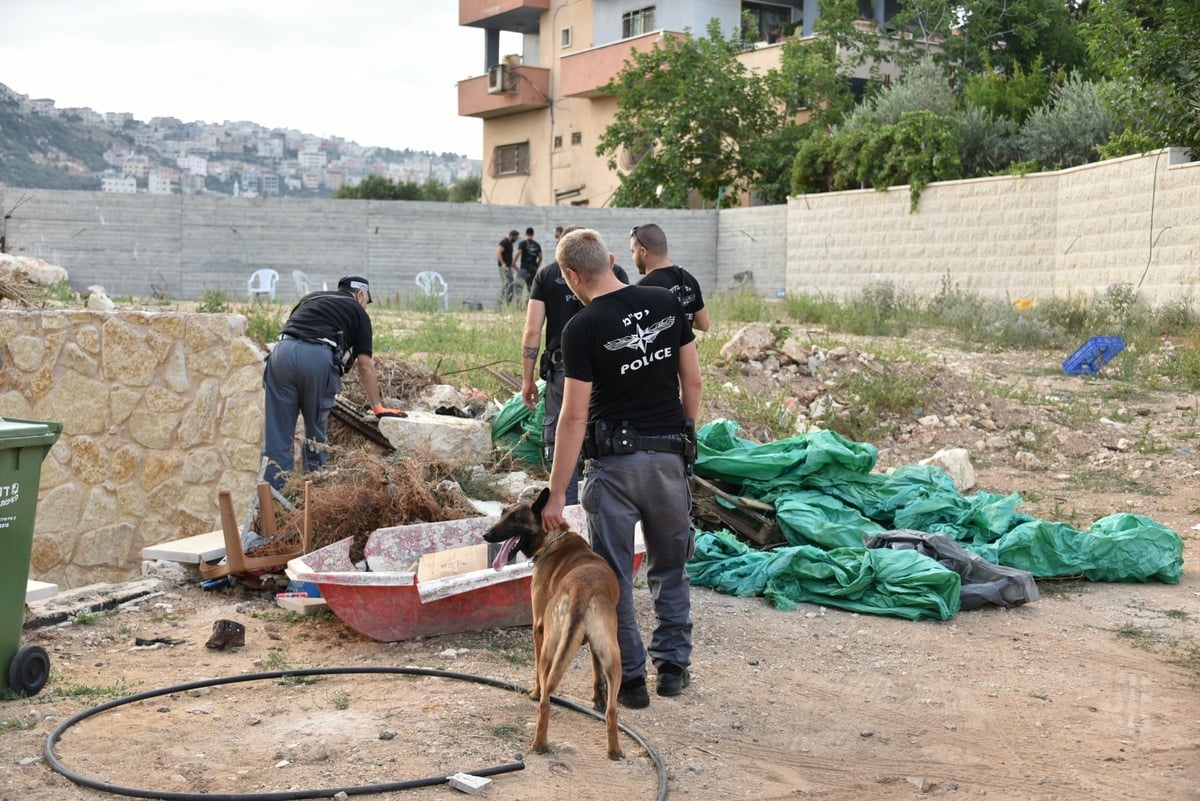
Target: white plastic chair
x: 301, y: 279
x: 434, y: 286
x: 262, y: 282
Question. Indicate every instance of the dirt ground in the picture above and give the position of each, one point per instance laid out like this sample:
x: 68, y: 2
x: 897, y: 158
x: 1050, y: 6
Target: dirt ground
x: 1091, y: 692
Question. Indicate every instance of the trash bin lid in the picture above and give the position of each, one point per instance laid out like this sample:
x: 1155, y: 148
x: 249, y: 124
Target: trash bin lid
x: 25, y: 433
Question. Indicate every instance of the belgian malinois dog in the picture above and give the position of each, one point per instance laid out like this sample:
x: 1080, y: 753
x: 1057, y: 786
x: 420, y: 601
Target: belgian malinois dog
x: 574, y: 595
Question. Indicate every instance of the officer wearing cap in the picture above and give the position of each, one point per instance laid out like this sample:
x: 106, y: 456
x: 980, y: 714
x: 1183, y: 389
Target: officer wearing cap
x: 325, y: 335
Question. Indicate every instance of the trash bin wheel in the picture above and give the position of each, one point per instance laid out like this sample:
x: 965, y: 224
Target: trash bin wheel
x: 29, y: 669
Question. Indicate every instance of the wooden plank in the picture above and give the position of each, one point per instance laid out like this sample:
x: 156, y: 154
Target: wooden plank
x: 302, y: 606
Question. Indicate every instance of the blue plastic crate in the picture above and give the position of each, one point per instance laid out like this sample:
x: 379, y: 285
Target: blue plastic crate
x: 1092, y: 355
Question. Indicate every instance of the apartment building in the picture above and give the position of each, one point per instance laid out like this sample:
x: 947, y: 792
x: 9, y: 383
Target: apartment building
x: 542, y: 108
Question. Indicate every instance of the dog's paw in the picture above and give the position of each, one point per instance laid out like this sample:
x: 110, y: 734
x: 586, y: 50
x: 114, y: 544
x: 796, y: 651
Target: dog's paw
x: 616, y: 756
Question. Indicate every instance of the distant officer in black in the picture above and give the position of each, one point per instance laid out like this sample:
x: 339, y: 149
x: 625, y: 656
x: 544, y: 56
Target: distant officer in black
x: 648, y: 245
x: 325, y: 335
x: 632, y: 381
x: 551, y: 304
x: 504, y: 263
x: 530, y: 254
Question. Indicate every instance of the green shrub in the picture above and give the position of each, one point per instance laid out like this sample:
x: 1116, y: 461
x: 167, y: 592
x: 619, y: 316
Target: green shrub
x: 213, y: 301
x: 740, y: 305
x: 264, y: 321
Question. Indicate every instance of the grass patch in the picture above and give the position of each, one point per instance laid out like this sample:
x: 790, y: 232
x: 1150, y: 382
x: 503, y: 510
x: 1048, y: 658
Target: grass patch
x: 871, y: 405
x: 16, y: 725
x: 1104, y: 482
x: 506, y: 731
x: 765, y: 416
x: 739, y: 306
x: 87, y: 692
x: 340, y: 699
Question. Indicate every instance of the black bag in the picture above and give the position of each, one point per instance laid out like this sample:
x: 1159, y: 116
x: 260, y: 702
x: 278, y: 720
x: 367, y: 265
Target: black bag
x: 982, y: 582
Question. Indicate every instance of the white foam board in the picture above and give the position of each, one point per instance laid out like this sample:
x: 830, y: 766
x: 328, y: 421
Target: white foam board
x: 189, y: 550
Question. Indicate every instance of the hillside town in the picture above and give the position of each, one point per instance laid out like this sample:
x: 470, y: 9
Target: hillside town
x: 166, y: 155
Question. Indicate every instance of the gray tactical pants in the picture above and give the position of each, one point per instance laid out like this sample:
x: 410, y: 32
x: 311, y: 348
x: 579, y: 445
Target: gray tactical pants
x: 299, y: 379
x: 650, y: 486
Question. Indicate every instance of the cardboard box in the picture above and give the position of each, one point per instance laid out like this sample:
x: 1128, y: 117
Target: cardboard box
x: 452, y: 562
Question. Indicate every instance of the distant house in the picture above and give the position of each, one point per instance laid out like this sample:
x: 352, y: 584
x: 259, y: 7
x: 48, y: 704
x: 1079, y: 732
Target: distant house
x: 120, y: 184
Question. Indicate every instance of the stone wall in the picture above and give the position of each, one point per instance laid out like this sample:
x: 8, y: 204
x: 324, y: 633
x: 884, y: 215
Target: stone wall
x: 160, y: 412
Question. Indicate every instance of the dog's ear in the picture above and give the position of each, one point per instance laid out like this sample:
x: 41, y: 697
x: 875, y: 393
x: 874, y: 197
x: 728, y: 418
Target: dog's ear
x: 540, y: 504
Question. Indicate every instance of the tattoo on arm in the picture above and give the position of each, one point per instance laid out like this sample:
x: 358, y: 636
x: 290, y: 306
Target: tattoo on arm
x: 531, y: 352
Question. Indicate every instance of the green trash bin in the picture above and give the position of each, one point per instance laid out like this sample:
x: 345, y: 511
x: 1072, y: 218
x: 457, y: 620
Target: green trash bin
x: 23, y: 446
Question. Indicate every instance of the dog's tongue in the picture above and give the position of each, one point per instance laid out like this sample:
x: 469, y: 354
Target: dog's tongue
x: 505, y: 551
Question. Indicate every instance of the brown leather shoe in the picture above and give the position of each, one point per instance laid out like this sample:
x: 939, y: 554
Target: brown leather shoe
x: 227, y: 632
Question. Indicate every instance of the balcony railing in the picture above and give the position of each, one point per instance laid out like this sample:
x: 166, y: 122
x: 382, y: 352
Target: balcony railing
x: 583, y: 73
x: 521, y: 16
x: 515, y: 90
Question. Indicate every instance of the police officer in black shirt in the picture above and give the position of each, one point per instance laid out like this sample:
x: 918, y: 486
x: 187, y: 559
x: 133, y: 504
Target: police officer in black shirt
x: 632, y: 384
x: 325, y: 335
x: 648, y: 246
x: 551, y: 304
x: 529, y: 253
x: 504, y: 263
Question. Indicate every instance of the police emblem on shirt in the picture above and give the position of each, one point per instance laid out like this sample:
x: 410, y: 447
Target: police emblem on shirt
x: 640, y: 340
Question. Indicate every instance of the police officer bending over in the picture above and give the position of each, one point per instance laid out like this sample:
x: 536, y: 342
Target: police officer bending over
x: 325, y: 335
x: 632, y: 385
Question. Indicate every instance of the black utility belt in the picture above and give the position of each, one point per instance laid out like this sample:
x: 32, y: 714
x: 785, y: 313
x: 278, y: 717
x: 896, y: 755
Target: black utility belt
x: 604, y: 439
x: 325, y: 343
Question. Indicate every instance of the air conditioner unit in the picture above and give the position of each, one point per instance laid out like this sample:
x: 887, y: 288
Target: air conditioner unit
x: 497, y: 79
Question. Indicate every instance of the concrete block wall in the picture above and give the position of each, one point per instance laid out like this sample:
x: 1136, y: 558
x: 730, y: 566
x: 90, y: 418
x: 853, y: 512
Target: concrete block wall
x: 1134, y: 220
x: 160, y: 412
x: 131, y: 244
x: 1077, y: 230
x: 754, y: 239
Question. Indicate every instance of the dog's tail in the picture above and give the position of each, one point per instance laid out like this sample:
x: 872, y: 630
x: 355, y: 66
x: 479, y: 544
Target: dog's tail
x: 575, y: 631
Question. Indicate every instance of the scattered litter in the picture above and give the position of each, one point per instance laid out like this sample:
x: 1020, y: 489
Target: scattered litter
x: 1092, y: 355
x: 226, y: 632
x: 469, y: 784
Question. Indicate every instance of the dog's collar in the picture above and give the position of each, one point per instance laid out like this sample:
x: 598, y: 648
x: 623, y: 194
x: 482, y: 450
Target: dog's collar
x: 549, y: 544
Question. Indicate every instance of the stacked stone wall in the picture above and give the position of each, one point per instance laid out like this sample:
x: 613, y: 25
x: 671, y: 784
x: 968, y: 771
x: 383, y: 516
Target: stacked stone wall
x: 160, y: 412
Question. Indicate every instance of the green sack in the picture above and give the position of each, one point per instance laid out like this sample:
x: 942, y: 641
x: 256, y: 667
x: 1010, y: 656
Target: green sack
x: 518, y: 431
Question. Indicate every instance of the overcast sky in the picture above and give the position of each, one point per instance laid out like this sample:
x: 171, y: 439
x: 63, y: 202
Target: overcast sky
x: 378, y: 72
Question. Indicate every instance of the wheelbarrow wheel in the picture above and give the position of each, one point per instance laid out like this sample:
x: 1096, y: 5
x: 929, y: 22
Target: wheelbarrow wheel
x: 29, y: 670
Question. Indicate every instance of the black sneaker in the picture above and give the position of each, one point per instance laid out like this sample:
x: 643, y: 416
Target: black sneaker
x: 633, y: 693
x: 672, y: 678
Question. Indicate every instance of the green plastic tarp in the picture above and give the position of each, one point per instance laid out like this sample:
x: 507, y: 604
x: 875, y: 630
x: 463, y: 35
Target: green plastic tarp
x: 827, y: 499
x: 1119, y: 547
x: 902, y: 584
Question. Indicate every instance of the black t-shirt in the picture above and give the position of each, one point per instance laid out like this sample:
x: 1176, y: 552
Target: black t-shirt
x: 322, y: 315
x: 551, y: 288
x: 506, y: 246
x: 529, y: 250
x: 626, y: 343
x: 683, y: 286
